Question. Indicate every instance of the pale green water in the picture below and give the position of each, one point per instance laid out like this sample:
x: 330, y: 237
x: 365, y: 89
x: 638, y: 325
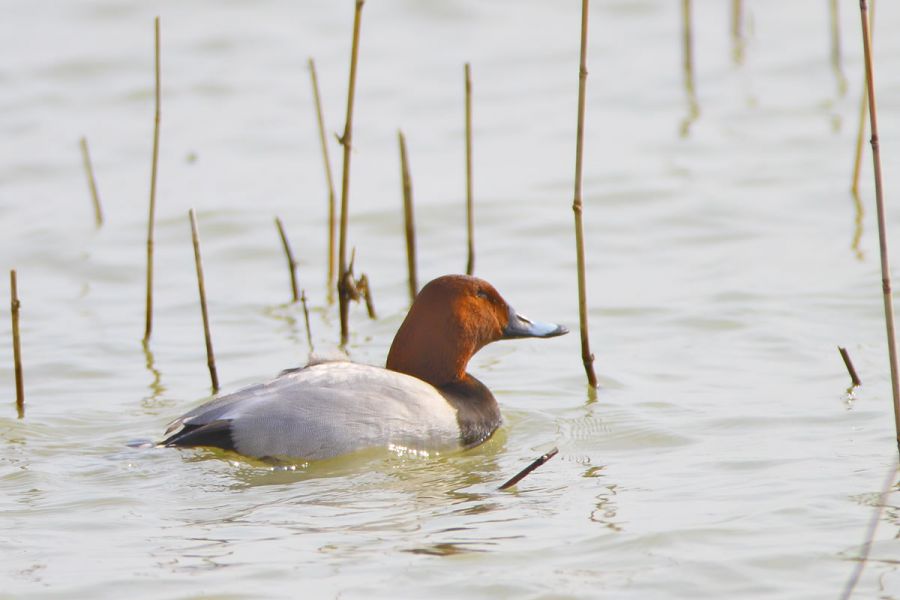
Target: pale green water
x: 722, y: 458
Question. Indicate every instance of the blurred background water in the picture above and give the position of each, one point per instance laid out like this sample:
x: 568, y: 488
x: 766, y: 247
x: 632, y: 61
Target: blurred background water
x: 723, y: 456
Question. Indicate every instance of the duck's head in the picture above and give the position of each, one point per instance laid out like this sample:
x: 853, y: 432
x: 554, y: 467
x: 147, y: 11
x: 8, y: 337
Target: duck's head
x: 451, y: 319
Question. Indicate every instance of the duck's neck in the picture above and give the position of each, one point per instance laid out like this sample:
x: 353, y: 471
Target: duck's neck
x: 437, y: 358
x: 435, y: 362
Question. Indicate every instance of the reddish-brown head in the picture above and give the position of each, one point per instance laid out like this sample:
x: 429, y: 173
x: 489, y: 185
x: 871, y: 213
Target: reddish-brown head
x: 452, y: 318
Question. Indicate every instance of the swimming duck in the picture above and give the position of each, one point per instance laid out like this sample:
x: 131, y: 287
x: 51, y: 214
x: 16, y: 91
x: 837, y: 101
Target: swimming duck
x: 423, y: 400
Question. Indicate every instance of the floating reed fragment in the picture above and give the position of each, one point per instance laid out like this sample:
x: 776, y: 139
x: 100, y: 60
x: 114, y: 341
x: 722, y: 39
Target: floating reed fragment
x: 292, y: 264
x: 210, y: 357
x: 882, y: 229
x: 408, y: 218
x: 148, y: 322
x: 344, y: 284
x: 15, y: 305
x: 329, y: 179
x: 849, y: 364
x: 470, y: 208
x: 527, y: 470
x: 577, y: 205
x: 306, y: 318
x: 92, y: 183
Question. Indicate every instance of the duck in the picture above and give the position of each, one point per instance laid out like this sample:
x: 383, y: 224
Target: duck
x: 423, y: 400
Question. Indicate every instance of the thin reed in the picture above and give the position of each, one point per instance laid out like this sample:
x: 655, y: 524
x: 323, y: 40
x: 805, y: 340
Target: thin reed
x: 577, y: 205
x: 292, y: 264
x: 470, y: 207
x: 343, y: 286
x: 92, y: 182
x: 836, y: 47
x: 15, y: 305
x: 687, y: 46
x: 737, y: 31
x: 882, y: 228
x: 306, y: 319
x: 201, y: 287
x: 329, y: 178
x: 408, y: 218
x: 148, y: 322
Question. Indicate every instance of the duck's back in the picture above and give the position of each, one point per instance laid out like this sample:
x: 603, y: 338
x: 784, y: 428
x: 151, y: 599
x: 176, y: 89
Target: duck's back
x: 323, y: 410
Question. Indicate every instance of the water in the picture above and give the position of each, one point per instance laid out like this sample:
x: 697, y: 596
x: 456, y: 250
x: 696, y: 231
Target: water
x: 723, y: 456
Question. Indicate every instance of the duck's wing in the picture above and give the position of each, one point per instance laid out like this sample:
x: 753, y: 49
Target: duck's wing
x: 322, y: 411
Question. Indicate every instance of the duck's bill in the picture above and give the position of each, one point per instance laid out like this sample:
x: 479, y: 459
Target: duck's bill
x: 520, y: 326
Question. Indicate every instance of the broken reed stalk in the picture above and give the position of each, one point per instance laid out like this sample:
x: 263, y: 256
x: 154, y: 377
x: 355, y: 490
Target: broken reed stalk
x: 882, y: 229
x: 92, y: 183
x: 306, y: 318
x: 527, y: 470
x: 408, y: 218
x: 210, y: 357
x: 470, y: 208
x: 148, y: 323
x: 15, y: 305
x: 343, y: 286
x: 329, y: 179
x: 292, y: 264
x: 577, y: 205
x: 849, y: 364
x: 365, y: 290
x: 863, y: 113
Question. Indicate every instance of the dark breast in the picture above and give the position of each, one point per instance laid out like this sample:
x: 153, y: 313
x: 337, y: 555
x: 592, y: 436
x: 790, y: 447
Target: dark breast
x: 477, y: 411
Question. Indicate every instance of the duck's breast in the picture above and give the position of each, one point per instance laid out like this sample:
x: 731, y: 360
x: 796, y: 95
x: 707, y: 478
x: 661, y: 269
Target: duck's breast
x: 333, y: 408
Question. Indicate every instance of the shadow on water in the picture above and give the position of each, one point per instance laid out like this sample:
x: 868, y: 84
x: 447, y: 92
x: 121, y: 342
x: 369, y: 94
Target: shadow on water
x: 858, y: 214
x: 157, y: 389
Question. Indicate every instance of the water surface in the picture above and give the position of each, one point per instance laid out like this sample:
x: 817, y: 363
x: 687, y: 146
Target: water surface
x: 722, y: 456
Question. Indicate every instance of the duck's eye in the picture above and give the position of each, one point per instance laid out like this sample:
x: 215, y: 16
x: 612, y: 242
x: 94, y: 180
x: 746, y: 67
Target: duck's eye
x: 482, y: 294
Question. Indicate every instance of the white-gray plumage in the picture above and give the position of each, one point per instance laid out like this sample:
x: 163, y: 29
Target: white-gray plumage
x: 328, y: 409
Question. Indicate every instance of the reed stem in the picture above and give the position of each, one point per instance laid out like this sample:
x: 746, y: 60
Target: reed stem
x: 201, y: 286
x: 688, y: 63
x: 882, y: 228
x: 148, y: 323
x: 527, y: 470
x: 343, y: 286
x: 306, y: 319
x: 836, y: 47
x: 850, y: 368
x: 92, y: 183
x: 470, y: 204
x: 329, y: 179
x: 15, y: 305
x: 408, y: 218
x: 292, y: 264
x: 577, y: 205
x: 737, y: 31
